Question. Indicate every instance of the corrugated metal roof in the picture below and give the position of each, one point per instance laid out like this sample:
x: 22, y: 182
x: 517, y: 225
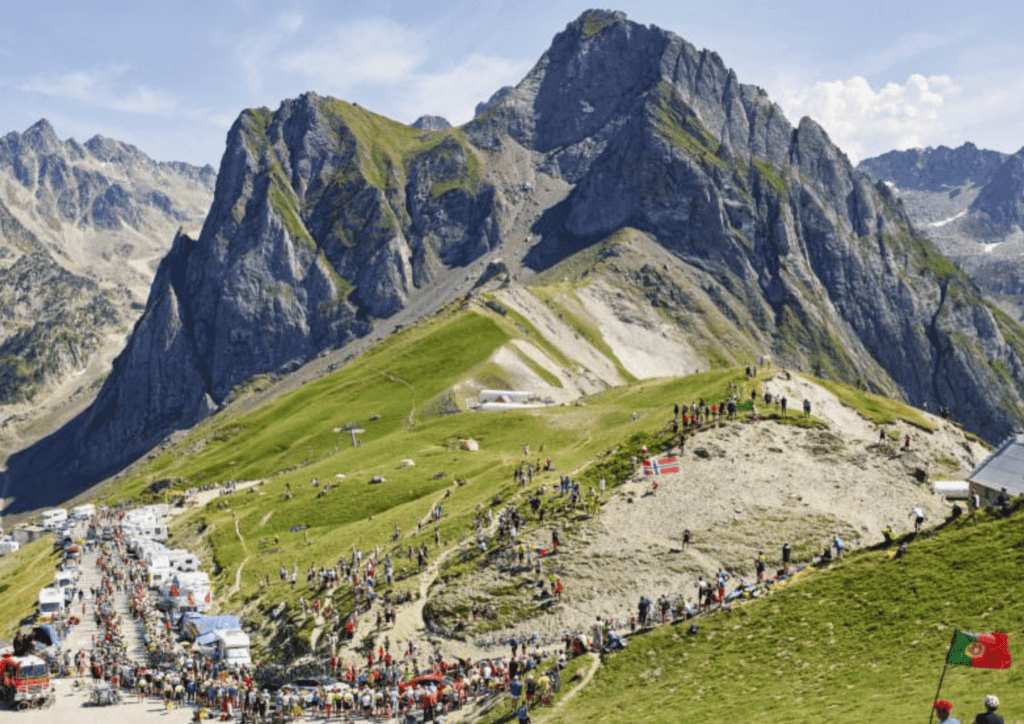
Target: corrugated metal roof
x: 1004, y: 468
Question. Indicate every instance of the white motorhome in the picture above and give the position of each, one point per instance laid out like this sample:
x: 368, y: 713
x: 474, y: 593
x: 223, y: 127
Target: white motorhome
x: 8, y: 545
x: 232, y: 647
x: 153, y: 531
x: 51, y: 519
x: 83, y: 512
x: 185, y: 591
x: 183, y: 561
x: 160, y: 572
x: 51, y: 603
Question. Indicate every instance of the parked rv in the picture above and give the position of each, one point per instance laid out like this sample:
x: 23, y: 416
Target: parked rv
x: 51, y: 603
x: 83, y: 512
x: 230, y: 646
x: 51, y: 519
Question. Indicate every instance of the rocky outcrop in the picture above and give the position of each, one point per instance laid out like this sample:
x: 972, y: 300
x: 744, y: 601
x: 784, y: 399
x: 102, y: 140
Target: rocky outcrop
x: 327, y: 217
x: 431, y: 123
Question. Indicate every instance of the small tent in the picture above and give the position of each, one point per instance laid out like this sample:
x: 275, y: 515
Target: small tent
x: 46, y: 635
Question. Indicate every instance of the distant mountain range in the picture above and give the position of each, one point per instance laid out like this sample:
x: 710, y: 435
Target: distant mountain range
x: 756, y: 238
x: 971, y: 202
x: 81, y: 229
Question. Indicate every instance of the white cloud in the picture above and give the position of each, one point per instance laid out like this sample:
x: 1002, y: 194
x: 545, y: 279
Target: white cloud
x: 255, y: 51
x: 103, y: 88
x: 455, y: 93
x: 388, y: 65
x: 362, y: 51
x: 865, y: 122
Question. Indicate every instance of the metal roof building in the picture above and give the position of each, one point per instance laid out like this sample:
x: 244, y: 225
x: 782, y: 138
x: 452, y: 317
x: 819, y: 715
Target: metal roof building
x: 1004, y: 468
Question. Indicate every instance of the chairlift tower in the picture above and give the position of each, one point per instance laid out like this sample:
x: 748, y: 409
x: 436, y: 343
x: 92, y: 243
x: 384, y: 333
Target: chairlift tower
x: 353, y: 430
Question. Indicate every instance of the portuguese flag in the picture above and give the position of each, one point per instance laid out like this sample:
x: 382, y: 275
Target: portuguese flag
x: 980, y: 651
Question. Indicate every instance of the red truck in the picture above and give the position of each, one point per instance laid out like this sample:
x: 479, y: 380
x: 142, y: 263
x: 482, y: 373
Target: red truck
x: 24, y: 682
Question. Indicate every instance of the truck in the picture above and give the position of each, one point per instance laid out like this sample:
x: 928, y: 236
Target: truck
x: 25, y: 682
x: 229, y: 646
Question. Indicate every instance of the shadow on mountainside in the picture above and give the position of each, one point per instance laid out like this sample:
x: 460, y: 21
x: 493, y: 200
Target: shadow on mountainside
x: 555, y: 243
x: 50, y: 471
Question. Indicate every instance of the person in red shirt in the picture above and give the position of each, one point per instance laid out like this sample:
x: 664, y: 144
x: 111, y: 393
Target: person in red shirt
x: 943, y: 710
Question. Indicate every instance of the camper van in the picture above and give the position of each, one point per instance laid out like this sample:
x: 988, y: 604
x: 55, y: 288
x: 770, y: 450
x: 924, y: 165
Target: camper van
x: 151, y: 531
x: 51, y: 519
x: 51, y: 603
x: 230, y: 646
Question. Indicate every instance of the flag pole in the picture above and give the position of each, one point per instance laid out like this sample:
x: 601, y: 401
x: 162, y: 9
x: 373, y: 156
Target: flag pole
x: 941, y: 678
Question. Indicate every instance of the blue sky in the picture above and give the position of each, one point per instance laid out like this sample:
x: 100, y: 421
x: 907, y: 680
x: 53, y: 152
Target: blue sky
x: 170, y: 77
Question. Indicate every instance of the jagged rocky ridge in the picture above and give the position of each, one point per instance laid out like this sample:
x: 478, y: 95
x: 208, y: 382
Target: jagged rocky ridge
x: 970, y: 201
x: 79, y: 224
x: 327, y: 217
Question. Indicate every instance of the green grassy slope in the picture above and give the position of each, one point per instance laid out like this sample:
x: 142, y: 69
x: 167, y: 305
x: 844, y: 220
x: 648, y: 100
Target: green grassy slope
x: 391, y: 392
x: 22, y: 575
x: 864, y: 640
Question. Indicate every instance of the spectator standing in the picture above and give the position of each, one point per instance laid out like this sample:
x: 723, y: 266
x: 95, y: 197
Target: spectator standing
x: 943, y: 710
x: 989, y: 716
x: 918, y: 515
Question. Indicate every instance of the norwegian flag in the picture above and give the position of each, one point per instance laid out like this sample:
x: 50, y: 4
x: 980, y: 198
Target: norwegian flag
x: 661, y: 466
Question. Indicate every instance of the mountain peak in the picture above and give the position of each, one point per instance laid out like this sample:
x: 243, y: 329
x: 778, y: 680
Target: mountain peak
x: 594, y: 22
x: 41, y: 136
x: 329, y: 219
x: 111, y: 150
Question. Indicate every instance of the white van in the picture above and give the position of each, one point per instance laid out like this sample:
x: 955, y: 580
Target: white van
x: 52, y: 519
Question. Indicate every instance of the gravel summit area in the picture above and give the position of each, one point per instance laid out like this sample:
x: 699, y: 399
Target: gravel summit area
x: 743, y: 489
